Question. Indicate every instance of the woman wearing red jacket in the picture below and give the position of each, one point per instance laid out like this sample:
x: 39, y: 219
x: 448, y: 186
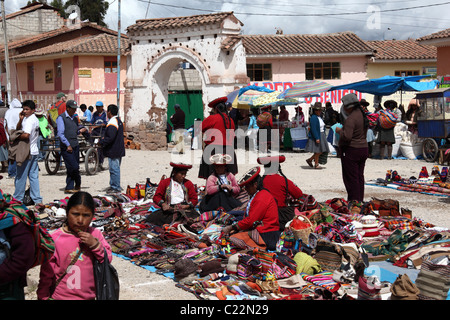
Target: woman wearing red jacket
x: 261, y: 213
x: 176, y: 196
x: 218, y: 136
x: 280, y: 187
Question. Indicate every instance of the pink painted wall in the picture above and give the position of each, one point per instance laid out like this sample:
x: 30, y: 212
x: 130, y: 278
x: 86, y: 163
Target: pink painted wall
x: 443, y: 61
x: 83, y: 90
x: 283, y: 70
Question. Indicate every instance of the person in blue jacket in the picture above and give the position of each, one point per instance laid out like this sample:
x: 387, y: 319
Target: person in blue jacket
x: 113, y: 147
x: 317, y: 141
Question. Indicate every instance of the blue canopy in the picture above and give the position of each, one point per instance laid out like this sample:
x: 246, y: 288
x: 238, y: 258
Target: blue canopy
x: 388, y: 85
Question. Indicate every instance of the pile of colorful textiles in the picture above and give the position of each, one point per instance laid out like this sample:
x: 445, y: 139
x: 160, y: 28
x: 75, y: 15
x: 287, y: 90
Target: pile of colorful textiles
x: 214, y: 267
x: 434, y: 184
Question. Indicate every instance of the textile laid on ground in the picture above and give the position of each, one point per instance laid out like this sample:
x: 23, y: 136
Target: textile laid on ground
x: 319, y: 264
x: 435, y: 183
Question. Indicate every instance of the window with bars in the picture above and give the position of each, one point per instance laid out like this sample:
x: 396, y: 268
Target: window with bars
x: 323, y: 70
x: 406, y: 73
x: 259, y: 72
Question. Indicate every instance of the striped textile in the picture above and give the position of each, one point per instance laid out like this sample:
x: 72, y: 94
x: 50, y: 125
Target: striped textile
x: 15, y: 212
x: 433, y: 281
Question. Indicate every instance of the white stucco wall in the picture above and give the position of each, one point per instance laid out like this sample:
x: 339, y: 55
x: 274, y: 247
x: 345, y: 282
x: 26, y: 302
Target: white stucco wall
x: 156, y: 54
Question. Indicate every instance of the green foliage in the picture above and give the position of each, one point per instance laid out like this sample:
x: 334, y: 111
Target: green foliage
x: 92, y: 10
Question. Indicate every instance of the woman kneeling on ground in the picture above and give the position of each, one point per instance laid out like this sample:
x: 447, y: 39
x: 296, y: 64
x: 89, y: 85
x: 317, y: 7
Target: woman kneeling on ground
x: 261, y: 213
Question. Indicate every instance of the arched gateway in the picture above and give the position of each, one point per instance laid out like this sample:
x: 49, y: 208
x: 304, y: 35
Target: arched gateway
x: 210, y: 43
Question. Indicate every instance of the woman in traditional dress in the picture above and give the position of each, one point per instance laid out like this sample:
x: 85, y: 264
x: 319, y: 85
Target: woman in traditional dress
x: 221, y: 186
x: 176, y: 196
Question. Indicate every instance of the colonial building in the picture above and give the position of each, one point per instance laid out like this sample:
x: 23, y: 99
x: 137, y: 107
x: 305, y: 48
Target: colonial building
x: 210, y: 43
x: 279, y: 61
x: 441, y: 40
x: 77, y: 58
x: 401, y: 58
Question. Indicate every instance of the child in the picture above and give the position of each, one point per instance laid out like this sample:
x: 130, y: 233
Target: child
x: 221, y: 186
x: 74, y: 236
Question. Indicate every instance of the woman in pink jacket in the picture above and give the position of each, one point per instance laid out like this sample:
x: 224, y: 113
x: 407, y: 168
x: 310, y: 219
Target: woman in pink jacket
x: 221, y: 186
x: 74, y: 241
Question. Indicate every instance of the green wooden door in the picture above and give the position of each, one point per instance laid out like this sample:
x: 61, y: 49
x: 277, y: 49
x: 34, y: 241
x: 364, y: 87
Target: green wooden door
x: 190, y: 102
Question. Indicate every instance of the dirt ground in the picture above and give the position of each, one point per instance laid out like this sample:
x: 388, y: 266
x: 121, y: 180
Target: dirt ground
x: 140, y: 284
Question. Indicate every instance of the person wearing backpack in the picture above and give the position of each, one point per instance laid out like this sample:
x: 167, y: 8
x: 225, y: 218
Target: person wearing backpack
x: 17, y: 254
x: 386, y: 136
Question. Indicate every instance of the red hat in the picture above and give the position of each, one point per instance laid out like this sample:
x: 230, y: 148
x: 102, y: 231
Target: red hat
x: 273, y: 159
x: 249, y: 176
x: 215, y: 102
x: 181, y: 166
x: 266, y: 107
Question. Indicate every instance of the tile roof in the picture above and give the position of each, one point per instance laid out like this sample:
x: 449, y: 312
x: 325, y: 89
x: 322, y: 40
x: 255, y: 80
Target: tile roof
x: 105, y: 44
x: 29, y: 8
x: 53, y: 33
x: 330, y: 43
x: 402, y: 50
x: 230, y: 42
x: 181, y: 22
x: 437, y: 35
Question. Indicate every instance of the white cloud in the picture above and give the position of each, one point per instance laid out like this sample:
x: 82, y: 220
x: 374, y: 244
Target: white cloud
x: 412, y: 23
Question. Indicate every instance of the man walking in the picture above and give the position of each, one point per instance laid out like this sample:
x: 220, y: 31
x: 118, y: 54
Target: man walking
x: 113, y: 147
x: 28, y: 169
x: 12, y: 116
x: 68, y: 129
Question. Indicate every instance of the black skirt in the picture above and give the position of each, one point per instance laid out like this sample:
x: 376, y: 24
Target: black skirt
x: 218, y: 200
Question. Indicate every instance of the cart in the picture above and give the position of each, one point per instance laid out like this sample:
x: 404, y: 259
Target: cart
x: 433, y: 123
x: 89, y: 154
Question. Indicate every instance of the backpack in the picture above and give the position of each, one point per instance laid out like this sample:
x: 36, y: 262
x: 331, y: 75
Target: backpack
x: 387, y: 119
x: 18, y: 212
x: 263, y: 119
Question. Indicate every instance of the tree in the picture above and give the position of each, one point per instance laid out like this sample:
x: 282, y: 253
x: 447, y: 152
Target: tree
x: 58, y: 4
x: 92, y: 10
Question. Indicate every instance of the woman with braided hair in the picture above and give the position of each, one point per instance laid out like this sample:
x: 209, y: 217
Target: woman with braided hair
x: 218, y: 136
x: 280, y: 187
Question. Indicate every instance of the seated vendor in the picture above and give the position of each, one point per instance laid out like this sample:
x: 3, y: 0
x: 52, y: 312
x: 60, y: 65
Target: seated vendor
x: 261, y: 213
x: 280, y: 187
x: 221, y: 186
x: 176, y: 196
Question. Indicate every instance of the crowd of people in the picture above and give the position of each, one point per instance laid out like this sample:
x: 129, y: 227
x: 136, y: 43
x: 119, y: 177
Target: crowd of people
x: 26, y: 129
x: 266, y: 210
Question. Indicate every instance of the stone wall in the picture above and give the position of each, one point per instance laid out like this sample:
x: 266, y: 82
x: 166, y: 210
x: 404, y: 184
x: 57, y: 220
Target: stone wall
x: 185, y: 80
x: 31, y: 23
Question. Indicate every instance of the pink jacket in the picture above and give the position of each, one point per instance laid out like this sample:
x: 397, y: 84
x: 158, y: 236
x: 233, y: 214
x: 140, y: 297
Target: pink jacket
x: 212, y: 184
x: 78, y: 283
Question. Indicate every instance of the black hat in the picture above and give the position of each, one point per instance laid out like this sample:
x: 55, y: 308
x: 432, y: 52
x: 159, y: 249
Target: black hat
x: 71, y: 104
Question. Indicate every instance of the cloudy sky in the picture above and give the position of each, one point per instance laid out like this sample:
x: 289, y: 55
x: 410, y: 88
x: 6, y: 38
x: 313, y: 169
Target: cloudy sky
x: 369, y: 19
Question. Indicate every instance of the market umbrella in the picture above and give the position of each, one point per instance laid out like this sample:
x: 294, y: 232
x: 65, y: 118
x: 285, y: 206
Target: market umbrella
x: 272, y: 99
x: 388, y: 85
x: 243, y: 97
x: 305, y: 89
